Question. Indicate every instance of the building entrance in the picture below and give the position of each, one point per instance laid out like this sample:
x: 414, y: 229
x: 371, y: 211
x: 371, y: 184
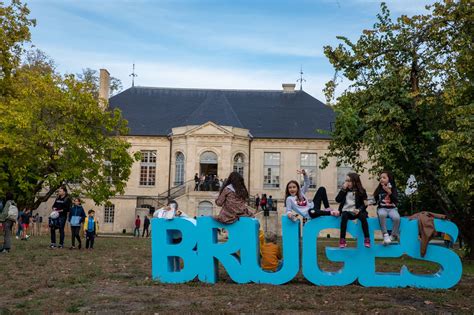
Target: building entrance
x: 208, y: 168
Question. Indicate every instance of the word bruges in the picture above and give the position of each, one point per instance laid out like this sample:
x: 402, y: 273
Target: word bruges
x: 200, y: 251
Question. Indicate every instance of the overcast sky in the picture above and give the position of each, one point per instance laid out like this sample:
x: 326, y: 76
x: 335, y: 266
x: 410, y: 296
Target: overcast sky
x: 238, y: 44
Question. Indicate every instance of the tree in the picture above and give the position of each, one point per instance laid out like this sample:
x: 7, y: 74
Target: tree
x: 53, y: 131
x: 14, y: 32
x: 410, y: 105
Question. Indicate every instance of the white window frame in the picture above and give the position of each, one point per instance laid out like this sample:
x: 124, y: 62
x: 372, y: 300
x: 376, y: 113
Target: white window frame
x: 239, y: 167
x: 109, y: 213
x: 311, y: 170
x: 179, y: 169
x: 148, y: 164
x: 271, y: 170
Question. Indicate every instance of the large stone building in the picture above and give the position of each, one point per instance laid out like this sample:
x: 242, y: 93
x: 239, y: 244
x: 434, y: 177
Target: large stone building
x: 266, y: 135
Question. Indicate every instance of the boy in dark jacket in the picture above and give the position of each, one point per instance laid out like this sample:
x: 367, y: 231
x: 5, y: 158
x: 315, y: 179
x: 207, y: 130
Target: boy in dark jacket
x: 91, y: 229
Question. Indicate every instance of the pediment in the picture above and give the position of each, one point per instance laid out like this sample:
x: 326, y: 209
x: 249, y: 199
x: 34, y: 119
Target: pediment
x: 209, y: 129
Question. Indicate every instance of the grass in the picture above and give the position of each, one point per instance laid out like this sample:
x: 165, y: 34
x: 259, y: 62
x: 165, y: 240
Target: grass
x: 115, y: 278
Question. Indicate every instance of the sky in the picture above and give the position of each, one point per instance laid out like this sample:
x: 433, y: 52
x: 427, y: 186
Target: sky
x: 234, y: 44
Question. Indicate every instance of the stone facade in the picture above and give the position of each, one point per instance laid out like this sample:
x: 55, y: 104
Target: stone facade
x: 225, y: 142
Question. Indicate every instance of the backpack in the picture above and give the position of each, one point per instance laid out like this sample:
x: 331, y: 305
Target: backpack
x: 12, y: 212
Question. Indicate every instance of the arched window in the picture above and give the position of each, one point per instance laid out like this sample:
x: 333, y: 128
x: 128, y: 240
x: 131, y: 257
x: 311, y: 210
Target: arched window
x: 205, y: 208
x: 208, y: 157
x: 239, y: 163
x: 179, y: 169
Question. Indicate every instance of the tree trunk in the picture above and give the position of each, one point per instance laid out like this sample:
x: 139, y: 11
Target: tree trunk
x: 39, y: 200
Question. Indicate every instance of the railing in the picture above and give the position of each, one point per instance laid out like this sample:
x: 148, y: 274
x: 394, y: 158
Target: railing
x: 163, y: 198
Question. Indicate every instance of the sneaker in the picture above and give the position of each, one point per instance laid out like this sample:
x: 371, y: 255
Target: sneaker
x: 394, y: 238
x: 79, y: 247
x: 60, y: 246
x: 4, y: 251
x: 17, y: 237
x: 342, y: 243
x: 52, y: 246
x: 72, y: 247
x: 386, y: 239
x: 367, y: 242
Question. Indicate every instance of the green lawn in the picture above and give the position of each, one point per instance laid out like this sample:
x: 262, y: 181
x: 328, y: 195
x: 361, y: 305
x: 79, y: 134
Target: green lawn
x: 115, y: 277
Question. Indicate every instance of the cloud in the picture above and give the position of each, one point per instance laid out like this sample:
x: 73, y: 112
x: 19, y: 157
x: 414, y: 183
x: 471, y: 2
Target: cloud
x: 187, y: 75
x: 407, y: 7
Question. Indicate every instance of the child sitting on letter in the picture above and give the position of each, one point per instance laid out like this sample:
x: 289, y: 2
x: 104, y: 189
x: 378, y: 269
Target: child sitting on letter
x: 169, y: 212
x: 233, y: 200
x: 386, y: 197
x: 353, y: 203
x: 295, y: 200
x: 270, y: 251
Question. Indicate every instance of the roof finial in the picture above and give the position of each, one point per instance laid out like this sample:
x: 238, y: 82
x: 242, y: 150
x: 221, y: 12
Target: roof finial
x: 301, y: 80
x: 133, y: 75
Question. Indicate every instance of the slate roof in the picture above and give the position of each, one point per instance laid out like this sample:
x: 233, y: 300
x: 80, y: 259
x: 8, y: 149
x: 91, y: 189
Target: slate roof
x: 266, y: 113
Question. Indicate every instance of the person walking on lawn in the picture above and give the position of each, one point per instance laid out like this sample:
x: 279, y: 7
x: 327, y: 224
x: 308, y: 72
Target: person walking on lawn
x: 138, y: 222
x: 62, y: 205
x: 7, y: 218
x: 146, y: 226
x: 76, y: 217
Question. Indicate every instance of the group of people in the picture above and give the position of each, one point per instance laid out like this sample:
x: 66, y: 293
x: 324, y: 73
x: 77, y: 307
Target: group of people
x: 64, y: 210
x: 352, y: 199
x: 146, y: 226
x: 207, y: 182
x: 353, y: 203
x: 26, y: 223
x: 264, y: 203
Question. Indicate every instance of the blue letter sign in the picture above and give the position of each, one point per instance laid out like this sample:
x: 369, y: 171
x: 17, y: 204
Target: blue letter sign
x: 200, y: 253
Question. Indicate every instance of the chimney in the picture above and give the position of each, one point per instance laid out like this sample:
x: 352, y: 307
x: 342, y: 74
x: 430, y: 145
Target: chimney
x: 104, y: 87
x: 288, y: 87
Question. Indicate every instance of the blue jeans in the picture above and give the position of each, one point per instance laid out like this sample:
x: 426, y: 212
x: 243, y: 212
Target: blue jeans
x: 62, y: 223
x: 136, y: 232
x: 19, y: 230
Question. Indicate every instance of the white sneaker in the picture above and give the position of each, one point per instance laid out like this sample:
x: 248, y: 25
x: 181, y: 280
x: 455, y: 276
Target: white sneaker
x: 386, y: 239
x: 17, y: 237
x: 393, y: 238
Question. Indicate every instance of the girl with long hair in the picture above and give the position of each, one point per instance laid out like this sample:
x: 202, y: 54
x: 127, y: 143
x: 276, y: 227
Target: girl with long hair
x: 386, y: 198
x: 352, y: 199
x: 296, y: 202
x: 233, y: 197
